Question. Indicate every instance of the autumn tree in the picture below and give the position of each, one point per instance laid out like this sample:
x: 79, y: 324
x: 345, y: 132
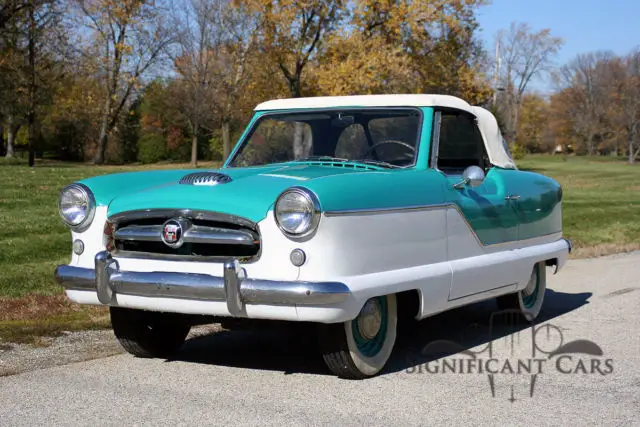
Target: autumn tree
x: 533, y: 124
x: 625, y: 107
x: 193, y: 58
x: 129, y: 37
x: 525, y: 54
x: 405, y: 46
x: 292, y: 32
x: 590, y: 78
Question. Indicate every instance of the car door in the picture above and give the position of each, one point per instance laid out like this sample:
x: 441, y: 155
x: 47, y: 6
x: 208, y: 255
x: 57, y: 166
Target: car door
x: 486, y: 209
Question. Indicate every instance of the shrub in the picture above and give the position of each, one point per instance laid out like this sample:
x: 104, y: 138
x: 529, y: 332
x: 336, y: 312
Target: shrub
x: 152, y: 148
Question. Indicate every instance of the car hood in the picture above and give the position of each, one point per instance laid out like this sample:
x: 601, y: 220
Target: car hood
x: 251, y: 192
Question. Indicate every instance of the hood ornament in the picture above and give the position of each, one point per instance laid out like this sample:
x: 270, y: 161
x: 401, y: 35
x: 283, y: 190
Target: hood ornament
x: 205, y: 178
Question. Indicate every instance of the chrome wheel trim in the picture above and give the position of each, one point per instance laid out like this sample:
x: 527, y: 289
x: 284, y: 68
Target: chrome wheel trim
x: 370, y: 319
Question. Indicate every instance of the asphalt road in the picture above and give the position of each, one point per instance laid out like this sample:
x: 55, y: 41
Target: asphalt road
x: 275, y: 377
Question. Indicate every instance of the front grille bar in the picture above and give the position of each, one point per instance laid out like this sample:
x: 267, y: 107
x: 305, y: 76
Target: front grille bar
x: 194, y: 234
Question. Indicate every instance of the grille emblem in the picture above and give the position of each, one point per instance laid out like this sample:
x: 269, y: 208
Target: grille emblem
x: 173, y: 232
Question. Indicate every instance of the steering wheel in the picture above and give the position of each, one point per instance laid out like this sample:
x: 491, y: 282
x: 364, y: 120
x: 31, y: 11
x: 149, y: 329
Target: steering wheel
x: 391, y: 141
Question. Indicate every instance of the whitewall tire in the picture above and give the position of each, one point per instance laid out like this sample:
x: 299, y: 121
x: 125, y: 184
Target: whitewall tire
x: 360, y: 348
x: 529, y: 300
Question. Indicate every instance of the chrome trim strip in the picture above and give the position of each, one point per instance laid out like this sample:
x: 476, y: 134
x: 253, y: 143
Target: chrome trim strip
x: 184, y: 213
x: 382, y: 211
x: 176, y: 257
x: 193, y: 286
x: 194, y: 234
x: 435, y: 139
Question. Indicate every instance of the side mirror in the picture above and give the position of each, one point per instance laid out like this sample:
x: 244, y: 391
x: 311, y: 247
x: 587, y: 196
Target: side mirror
x: 472, y: 176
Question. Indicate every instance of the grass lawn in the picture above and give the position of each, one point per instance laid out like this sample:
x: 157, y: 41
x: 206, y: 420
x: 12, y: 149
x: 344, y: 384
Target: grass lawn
x: 601, y: 201
x: 601, y: 215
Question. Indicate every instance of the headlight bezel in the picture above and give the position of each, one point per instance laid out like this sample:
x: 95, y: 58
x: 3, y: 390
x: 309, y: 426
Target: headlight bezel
x: 314, y: 205
x: 91, y: 207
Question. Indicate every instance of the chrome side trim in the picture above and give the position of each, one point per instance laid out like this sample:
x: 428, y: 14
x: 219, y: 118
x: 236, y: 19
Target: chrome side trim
x: 184, y: 213
x: 233, y: 288
x: 382, y: 211
x: 193, y: 234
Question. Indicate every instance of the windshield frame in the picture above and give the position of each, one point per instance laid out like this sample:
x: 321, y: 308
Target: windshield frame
x: 257, y: 118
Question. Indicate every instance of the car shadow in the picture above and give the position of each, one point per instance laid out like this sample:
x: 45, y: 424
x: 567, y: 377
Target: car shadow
x: 292, y: 347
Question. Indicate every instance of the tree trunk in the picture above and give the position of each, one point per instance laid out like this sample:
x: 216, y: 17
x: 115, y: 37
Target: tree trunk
x: 12, y: 130
x: 590, y: 145
x: 31, y: 115
x: 226, y: 140
x: 194, y: 145
x: 2, y: 147
x: 632, y: 157
x: 98, y: 158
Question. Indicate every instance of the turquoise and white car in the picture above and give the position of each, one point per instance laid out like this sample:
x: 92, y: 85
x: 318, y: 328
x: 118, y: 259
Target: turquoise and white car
x: 348, y: 212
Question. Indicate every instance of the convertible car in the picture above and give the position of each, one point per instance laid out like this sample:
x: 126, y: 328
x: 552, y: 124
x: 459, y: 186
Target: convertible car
x: 348, y: 212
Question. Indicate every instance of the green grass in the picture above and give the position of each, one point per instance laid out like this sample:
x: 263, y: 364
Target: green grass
x: 601, y: 215
x: 601, y: 201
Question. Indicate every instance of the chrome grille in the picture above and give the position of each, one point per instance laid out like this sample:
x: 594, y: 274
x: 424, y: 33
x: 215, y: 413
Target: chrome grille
x: 205, y: 178
x: 206, y: 236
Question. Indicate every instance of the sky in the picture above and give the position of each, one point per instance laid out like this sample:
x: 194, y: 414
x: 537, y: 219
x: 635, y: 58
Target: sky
x: 584, y: 25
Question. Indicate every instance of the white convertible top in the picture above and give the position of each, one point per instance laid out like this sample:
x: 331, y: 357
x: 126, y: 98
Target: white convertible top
x: 494, y: 142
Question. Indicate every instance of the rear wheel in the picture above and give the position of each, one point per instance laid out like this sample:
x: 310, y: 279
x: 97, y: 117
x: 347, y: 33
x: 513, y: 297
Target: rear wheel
x: 529, y: 300
x: 360, y: 348
x: 147, y: 333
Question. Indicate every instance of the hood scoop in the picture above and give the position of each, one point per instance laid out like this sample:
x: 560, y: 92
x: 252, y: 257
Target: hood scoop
x: 205, y: 178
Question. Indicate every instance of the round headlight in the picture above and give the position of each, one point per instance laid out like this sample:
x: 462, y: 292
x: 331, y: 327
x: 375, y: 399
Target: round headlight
x: 77, y: 206
x: 297, y: 212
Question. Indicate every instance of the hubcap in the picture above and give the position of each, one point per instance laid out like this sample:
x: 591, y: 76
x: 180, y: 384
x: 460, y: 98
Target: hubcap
x: 370, y: 319
x: 369, y: 329
x: 530, y: 293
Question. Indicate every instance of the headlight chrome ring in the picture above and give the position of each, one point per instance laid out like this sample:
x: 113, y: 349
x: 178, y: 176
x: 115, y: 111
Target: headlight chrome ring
x: 84, y: 208
x: 297, y: 212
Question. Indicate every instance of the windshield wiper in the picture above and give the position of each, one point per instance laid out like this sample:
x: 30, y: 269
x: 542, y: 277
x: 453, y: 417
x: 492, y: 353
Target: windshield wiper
x: 321, y: 158
x: 377, y: 163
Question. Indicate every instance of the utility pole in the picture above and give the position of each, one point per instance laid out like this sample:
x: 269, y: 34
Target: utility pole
x: 496, y: 73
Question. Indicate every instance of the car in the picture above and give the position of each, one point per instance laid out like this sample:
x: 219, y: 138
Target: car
x: 346, y: 212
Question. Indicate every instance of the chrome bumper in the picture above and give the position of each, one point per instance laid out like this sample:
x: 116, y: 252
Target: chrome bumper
x: 234, y: 288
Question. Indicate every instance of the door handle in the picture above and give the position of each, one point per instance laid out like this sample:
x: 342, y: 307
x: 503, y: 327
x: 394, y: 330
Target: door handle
x: 512, y: 197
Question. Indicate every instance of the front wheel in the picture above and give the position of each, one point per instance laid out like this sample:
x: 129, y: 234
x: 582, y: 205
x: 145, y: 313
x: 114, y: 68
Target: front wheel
x: 148, y: 333
x: 529, y: 300
x: 360, y: 348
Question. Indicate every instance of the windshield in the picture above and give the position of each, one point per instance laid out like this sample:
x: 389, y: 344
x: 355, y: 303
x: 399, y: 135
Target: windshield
x: 385, y: 137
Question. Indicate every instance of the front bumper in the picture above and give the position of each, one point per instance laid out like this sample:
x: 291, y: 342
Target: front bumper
x: 234, y: 287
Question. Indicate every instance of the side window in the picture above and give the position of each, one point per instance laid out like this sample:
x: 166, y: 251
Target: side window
x: 460, y: 144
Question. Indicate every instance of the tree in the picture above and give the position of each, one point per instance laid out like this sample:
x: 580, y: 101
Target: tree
x: 294, y: 30
x: 129, y: 37
x: 526, y: 54
x: 193, y: 57
x: 626, y: 97
x: 589, y: 77
x: 534, y: 118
